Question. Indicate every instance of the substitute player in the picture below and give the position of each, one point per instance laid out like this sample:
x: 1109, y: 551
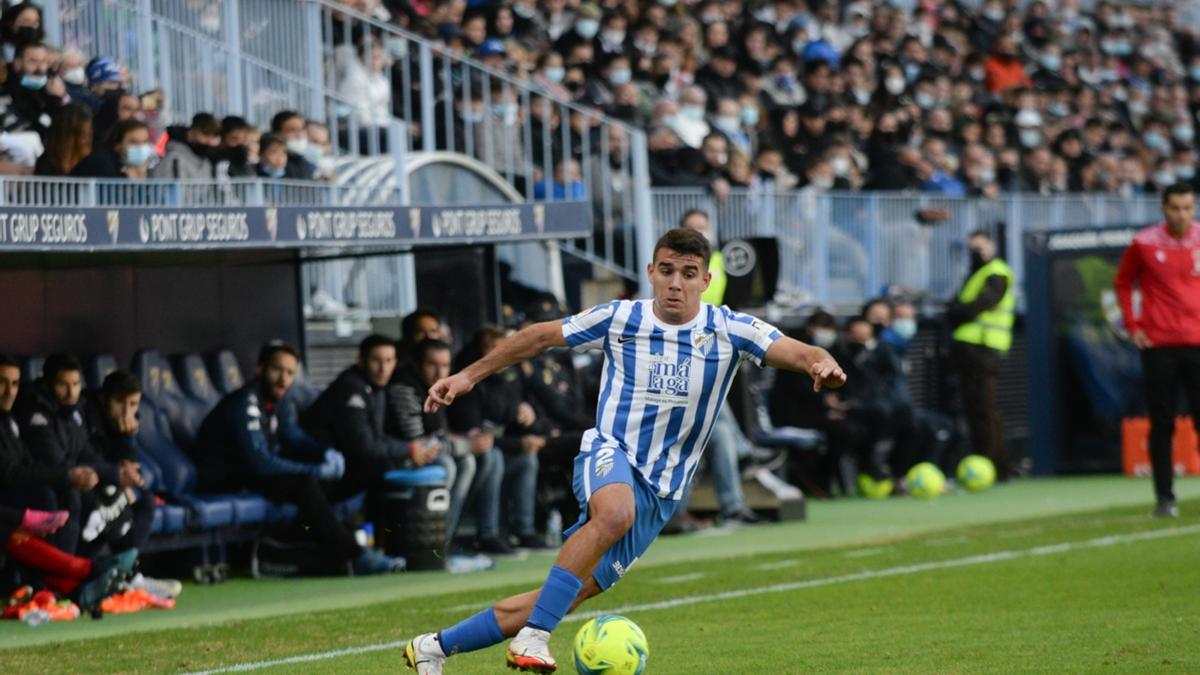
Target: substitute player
x: 668, y: 365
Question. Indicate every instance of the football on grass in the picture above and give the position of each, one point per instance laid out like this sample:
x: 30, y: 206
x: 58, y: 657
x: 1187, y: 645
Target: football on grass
x: 610, y: 644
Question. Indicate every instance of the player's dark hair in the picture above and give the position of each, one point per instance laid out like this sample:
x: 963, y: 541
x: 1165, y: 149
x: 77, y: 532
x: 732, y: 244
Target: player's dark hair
x: 7, y: 361
x: 273, y: 347
x: 59, y: 362
x: 408, y: 325
x: 1179, y: 188
x: 425, y: 346
x: 373, y: 342
x: 120, y: 384
x: 692, y: 212
x: 686, y: 241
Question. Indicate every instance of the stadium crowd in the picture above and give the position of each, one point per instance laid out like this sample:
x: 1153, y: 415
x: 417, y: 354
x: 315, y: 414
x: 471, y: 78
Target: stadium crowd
x: 63, y: 113
x: 936, y: 96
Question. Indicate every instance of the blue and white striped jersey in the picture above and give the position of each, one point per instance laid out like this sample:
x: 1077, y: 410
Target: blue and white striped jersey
x: 663, y: 385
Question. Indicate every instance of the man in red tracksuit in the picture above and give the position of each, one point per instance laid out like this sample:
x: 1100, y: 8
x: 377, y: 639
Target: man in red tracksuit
x: 1164, y: 262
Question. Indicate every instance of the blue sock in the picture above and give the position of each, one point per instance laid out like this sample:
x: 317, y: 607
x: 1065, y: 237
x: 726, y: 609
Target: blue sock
x: 476, y: 632
x: 553, y: 603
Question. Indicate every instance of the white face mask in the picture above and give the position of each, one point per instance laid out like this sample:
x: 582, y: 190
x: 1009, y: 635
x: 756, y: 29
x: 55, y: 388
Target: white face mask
x: 987, y: 176
x: 75, y: 76
x: 619, y: 76
x: 614, y: 37
x: 728, y: 123
x: 841, y: 165
x: 895, y: 85
x: 824, y: 337
x: 692, y: 112
x: 297, y: 145
x: 554, y: 74
x: 587, y: 28
x: 1030, y: 137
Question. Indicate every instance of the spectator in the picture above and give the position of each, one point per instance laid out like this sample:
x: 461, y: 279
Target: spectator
x: 20, y: 24
x: 350, y: 415
x: 112, y: 421
x: 104, y: 78
x: 689, y: 124
x: 193, y: 157
x: 273, y: 158
x: 251, y: 440
x: 367, y: 84
x: 233, y: 155
x: 36, y: 92
x: 52, y: 425
x: 568, y: 183
x: 74, y: 75
x: 289, y: 125
x: 116, y: 107
x: 127, y: 154
x: 68, y: 142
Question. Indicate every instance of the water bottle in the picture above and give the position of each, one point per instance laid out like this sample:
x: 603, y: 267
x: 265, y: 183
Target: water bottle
x: 554, y: 528
x: 36, y: 617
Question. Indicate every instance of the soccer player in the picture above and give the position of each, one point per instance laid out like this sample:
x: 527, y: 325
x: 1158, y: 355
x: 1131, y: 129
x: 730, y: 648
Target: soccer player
x: 669, y: 362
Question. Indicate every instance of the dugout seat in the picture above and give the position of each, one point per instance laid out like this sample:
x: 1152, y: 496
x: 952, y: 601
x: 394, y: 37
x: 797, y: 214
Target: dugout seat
x: 97, y: 368
x: 31, y: 368
x: 194, y: 380
x: 184, y: 413
x: 224, y: 370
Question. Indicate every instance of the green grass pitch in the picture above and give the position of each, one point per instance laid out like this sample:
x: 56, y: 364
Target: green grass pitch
x: 1063, y: 575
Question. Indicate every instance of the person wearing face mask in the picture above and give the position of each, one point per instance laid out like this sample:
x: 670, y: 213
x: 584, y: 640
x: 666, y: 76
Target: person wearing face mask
x: 20, y: 24
x: 74, y: 75
x: 36, y: 93
x: 982, y: 316
x: 289, y: 125
x: 793, y: 403
x: 126, y: 153
x: 550, y: 74
x: 103, y: 78
x: 272, y: 158
x: 585, y: 28
x: 233, y: 154
x: 192, y: 156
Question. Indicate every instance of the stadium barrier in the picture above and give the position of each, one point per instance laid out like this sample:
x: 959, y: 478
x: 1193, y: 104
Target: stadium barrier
x: 837, y: 248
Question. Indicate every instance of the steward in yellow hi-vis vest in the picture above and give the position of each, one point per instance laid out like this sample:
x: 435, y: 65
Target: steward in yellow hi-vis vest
x: 992, y: 327
x: 982, y: 316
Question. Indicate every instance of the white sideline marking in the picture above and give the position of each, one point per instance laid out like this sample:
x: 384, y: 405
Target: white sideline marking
x: 680, y: 579
x: 902, y: 570
x: 777, y: 565
x: 866, y: 552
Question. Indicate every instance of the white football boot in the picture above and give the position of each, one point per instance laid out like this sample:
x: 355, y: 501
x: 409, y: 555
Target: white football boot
x: 529, y: 652
x: 424, y: 655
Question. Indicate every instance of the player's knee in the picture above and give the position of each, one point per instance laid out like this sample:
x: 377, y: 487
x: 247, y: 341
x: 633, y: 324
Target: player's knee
x: 615, y: 520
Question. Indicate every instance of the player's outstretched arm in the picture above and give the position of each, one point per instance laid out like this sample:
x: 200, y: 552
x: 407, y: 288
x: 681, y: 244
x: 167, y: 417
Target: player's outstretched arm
x: 525, y: 344
x: 791, y: 354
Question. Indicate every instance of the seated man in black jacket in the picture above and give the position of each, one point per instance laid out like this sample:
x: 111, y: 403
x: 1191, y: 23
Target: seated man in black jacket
x: 350, y: 414
x: 433, y: 441
x: 52, y: 425
x: 112, y: 427
x: 251, y: 441
x: 793, y: 403
x: 24, y: 483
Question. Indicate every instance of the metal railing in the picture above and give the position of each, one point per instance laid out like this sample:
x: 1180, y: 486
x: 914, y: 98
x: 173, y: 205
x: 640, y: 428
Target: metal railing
x: 838, y: 248
x: 319, y: 57
x: 90, y: 192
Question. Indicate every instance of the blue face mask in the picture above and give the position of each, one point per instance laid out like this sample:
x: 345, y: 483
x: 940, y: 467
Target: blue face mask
x: 34, y: 82
x: 750, y: 116
x: 272, y: 172
x: 138, y: 155
x: 905, y: 328
x: 554, y: 74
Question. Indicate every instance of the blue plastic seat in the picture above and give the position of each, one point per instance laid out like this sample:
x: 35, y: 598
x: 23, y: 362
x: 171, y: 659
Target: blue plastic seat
x: 224, y: 371
x: 184, y: 413
x: 194, y: 379
x: 97, y: 368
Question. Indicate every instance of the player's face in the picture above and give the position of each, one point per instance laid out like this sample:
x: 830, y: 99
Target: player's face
x: 279, y: 375
x: 380, y: 364
x: 10, y: 383
x: 1179, y: 211
x: 678, y: 280
x: 67, y: 385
